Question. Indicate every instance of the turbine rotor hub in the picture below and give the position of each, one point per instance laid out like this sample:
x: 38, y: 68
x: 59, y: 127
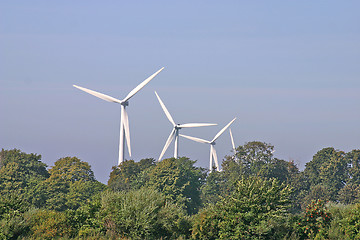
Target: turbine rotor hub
x: 125, y: 104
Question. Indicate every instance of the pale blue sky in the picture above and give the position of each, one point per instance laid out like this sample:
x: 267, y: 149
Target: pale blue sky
x: 288, y: 70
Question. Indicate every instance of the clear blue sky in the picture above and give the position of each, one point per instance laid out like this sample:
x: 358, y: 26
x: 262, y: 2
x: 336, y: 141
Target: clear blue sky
x: 288, y: 70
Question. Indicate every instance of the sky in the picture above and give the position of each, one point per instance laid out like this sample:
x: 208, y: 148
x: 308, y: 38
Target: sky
x: 288, y: 70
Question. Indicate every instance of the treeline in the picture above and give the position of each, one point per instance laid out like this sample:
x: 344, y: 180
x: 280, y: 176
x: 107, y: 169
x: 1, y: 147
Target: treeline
x: 255, y: 196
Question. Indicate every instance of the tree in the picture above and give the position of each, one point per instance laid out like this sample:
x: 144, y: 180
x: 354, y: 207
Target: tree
x: 329, y: 169
x: 255, y: 210
x: 71, y: 183
x: 180, y: 180
x: 256, y: 159
x: 346, y: 221
x: 128, y: 175
x: 254, y: 154
x: 48, y: 224
x: 213, y: 188
x: 316, y: 221
x: 12, y: 222
x: 142, y: 214
x: 353, y: 160
x: 349, y: 194
x: 20, y: 173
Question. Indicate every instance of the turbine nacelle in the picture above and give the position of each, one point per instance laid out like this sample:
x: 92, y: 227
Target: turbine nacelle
x: 125, y: 104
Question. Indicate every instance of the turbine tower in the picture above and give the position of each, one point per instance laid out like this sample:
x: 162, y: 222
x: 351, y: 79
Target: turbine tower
x: 212, y: 145
x: 124, y: 120
x: 175, y: 131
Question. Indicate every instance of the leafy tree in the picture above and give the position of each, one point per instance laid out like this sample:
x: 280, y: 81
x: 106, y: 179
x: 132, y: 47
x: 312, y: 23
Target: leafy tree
x: 349, y: 194
x: 329, y: 169
x: 180, y: 180
x: 12, y: 222
x: 254, y: 155
x: 87, y: 220
x: 298, y: 182
x: 12, y: 203
x: 353, y: 159
x: 71, y: 183
x: 142, y: 214
x: 48, y: 224
x: 346, y: 222
x: 20, y: 173
x: 257, y: 209
x: 129, y: 174
x: 256, y: 158
x: 213, y: 188
x: 316, y: 192
x: 13, y: 226
x: 316, y: 221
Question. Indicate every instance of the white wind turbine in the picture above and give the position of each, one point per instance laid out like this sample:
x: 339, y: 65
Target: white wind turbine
x: 175, y: 131
x: 124, y: 121
x: 212, y: 144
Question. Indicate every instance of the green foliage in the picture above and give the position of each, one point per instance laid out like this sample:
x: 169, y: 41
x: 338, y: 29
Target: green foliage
x: 316, y: 221
x: 142, y: 214
x: 48, y: 224
x: 128, y: 175
x: 256, y: 159
x: 353, y: 158
x: 349, y: 194
x: 328, y: 168
x: 71, y: 184
x: 320, y: 191
x: 346, y: 222
x: 213, y: 188
x: 11, y: 204
x: 255, y: 210
x: 180, y: 180
x: 254, y: 154
x: 20, y: 173
x: 12, y: 222
x: 249, y: 199
x: 207, y: 223
x: 13, y: 226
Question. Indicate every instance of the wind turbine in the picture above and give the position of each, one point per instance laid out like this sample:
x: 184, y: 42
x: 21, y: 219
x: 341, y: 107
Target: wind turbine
x: 124, y: 120
x: 233, y: 144
x: 175, y: 131
x: 212, y: 145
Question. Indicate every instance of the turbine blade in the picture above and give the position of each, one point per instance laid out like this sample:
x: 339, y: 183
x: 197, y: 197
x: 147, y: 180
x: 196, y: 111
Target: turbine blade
x: 165, y: 110
x: 232, y: 141
x: 168, y: 141
x: 211, y: 158
x: 141, y: 85
x: 127, y: 130
x: 222, y: 130
x: 189, y: 125
x: 215, y: 158
x: 99, y: 95
x: 195, y: 139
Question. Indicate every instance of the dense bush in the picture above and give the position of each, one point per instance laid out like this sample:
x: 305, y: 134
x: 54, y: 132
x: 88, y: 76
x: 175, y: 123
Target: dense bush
x: 142, y: 214
x: 257, y: 209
